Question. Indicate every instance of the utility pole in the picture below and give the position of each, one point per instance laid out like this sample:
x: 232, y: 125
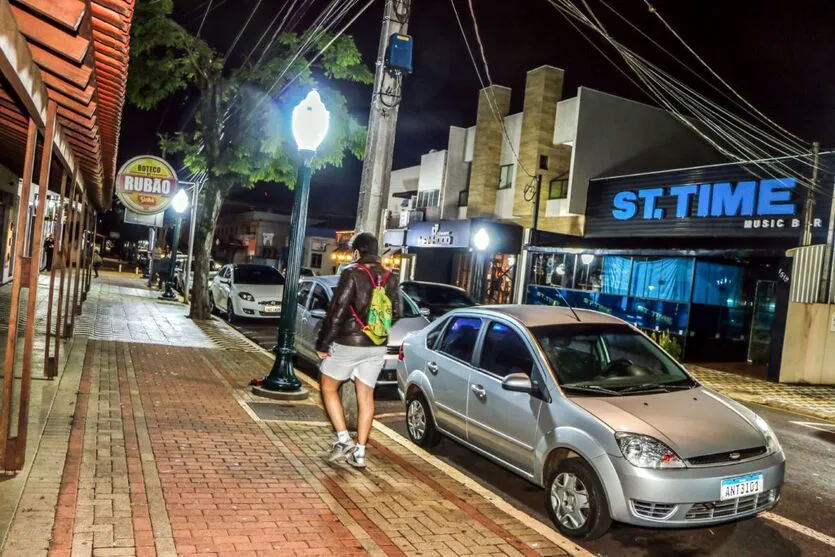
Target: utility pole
x: 382, y: 125
x: 809, y: 209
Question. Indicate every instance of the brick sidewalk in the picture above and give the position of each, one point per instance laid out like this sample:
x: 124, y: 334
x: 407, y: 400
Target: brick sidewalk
x: 166, y: 456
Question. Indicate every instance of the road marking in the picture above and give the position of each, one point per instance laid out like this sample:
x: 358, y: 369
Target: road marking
x: 826, y: 428
x: 805, y: 530
x: 391, y: 415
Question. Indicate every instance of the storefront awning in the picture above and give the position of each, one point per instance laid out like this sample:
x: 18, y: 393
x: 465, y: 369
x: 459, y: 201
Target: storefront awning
x: 74, y: 53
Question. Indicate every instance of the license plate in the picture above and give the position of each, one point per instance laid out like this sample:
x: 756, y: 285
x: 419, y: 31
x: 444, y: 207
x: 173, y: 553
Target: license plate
x: 272, y: 309
x: 733, y: 488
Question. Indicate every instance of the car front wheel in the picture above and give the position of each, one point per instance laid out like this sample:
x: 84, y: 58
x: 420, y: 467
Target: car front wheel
x: 230, y: 312
x: 576, y: 501
x: 419, y: 422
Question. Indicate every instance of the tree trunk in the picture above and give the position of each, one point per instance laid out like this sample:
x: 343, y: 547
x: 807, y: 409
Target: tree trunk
x: 211, y: 199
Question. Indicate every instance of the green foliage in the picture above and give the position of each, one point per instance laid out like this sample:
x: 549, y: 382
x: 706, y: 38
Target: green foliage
x: 241, y: 131
x: 669, y: 343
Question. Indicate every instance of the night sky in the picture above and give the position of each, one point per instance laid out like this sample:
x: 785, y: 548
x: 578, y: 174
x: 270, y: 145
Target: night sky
x: 779, y: 55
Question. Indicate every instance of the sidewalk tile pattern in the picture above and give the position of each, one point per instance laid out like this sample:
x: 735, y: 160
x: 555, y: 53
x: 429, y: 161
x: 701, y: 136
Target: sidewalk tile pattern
x: 816, y: 401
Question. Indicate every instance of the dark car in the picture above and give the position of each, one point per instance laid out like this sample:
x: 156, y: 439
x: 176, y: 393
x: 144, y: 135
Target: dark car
x: 436, y: 297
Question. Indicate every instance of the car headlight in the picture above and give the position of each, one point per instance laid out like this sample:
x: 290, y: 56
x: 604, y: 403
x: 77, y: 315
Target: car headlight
x: 246, y: 296
x: 646, y: 452
x: 768, y: 434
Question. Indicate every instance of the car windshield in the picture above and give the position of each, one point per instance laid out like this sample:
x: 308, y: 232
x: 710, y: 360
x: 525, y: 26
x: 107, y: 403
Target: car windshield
x: 447, y: 297
x: 258, y: 275
x: 410, y: 309
x: 608, y: 359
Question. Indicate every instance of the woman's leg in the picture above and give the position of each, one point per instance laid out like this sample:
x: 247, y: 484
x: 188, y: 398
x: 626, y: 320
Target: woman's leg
x: 365, y: 402
x: 333, y: 403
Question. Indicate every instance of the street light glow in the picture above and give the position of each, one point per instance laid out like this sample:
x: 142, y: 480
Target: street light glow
x: 481, y: 240
x: 180, y: 201
x: 310, y: 122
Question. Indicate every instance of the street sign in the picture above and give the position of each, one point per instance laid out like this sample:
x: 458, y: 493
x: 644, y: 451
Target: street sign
x: 144, y: 220
x: 146, y: 185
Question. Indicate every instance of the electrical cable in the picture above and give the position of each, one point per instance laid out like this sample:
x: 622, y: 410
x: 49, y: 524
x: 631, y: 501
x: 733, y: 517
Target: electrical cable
x: 205, y: 15
x: 241, y: 32
x: 651, y: 77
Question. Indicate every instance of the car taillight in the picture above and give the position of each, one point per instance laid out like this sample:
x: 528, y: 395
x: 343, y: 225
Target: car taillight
x: 400, y: 355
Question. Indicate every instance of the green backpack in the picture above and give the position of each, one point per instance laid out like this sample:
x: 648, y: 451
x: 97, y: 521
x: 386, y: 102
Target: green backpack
x: 379, y: 311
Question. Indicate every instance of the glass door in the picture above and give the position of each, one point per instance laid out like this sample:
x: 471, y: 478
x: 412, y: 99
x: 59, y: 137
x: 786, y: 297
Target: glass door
x: 762, y: 322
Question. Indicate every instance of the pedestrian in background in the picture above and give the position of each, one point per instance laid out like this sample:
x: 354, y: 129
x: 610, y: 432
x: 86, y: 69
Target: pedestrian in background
x: 49, y: 249
x: 353, y: 340
x: 97, y: 261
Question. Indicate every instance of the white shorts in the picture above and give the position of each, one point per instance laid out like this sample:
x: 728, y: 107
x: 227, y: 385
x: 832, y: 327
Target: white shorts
x: 363, y: 363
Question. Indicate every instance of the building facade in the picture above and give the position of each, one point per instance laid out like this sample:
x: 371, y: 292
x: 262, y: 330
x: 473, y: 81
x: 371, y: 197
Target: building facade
x: 508, y: 165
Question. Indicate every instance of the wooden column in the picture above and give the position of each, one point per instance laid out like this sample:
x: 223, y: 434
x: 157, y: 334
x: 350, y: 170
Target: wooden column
x: 93, y: 230
x: 73, y: 228
x: 66, y: 239
x: 13, y: 436
x: 50, y: 363
x: 80, y: 257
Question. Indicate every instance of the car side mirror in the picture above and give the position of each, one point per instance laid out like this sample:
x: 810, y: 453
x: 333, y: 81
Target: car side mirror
x: 518, y: 383
x: 318, y: 313
x: 425, y: 312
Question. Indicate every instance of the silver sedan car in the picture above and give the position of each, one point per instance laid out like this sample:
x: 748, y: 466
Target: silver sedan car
x: 588, y: 407
x: 315, y: 294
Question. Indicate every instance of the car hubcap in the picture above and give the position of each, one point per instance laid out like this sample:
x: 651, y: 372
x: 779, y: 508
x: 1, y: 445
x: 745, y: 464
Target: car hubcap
x: 417, y: 419
x: 570, y: 501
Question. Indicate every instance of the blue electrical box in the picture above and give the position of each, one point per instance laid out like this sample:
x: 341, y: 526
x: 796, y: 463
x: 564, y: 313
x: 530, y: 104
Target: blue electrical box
x: 399, y: 53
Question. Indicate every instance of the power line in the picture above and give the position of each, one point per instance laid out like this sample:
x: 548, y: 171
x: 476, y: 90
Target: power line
x: 205, y: 15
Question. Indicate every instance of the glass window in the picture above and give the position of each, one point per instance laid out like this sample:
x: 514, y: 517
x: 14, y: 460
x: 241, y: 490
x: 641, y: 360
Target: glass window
x: 558, y: 188
x: 463, y: 198
x: 460, y: 337
x: 447, y: 296
x: 432, y: 336
x: 428, y: 198
x: 304, y: 292
x: 662, y: 279
x: 611, y: 356
x: 543, y: 162
x: 616, y: 274
x: 717, y: 284
x: 504, y: 352
x: 319, y: 299
x: 506, y: 176
x: 258, y: 274
x: 316, y: 260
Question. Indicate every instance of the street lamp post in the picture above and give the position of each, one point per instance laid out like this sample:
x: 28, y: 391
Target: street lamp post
x: 180, y: 204
x: 310, y: 125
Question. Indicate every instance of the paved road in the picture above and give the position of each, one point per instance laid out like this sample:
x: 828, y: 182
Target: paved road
x: 808, y: 497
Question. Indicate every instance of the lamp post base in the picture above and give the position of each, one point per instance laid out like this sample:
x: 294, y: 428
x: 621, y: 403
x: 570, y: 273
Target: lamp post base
x: 300, y: 394
x: 169, y: 293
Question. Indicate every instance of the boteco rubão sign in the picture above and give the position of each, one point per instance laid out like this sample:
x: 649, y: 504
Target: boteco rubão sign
x: 146, y: 185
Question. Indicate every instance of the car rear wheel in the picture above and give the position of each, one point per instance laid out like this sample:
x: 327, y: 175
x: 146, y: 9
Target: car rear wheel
x: 576, y: 501
x: 419, y: 422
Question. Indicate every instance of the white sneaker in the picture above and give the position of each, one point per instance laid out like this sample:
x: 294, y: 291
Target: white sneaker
x: 341, y: 449
x: 355, y: 459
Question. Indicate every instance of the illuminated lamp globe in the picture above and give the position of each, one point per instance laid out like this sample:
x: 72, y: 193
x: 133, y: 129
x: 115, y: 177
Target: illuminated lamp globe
x: 481, y: 240
x: 180, y: 201
x: 310, y: 122
x: 587, y: 258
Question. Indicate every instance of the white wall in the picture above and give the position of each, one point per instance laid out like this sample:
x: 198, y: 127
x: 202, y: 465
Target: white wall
x: 402, y: 180
x: 432, y: 168
x: 470, y: 144
x: 616, y: 136
x: 457, y: 174
x: 565, y: 126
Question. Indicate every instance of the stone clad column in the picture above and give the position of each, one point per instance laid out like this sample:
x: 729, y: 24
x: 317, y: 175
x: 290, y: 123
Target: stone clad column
x: 493, y: 106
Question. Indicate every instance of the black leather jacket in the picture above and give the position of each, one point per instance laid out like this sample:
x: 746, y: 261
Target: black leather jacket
x: 355, y: 289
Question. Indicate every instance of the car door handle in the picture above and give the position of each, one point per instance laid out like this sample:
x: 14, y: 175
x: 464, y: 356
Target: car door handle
x: 479, y: 391
x: 432, y: 367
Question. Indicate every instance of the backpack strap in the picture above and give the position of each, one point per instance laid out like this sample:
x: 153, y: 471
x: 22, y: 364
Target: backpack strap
x: 375, y: 284
x: 357, y: 317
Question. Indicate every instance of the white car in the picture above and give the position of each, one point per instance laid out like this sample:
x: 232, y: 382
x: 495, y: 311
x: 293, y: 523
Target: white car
x: 252, y: 291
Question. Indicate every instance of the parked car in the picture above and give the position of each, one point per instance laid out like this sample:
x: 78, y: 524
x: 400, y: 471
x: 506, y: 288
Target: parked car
x: 247, y: 291
x: 436, y: 297
x: 315, y: 295
x: 588, y: 407
x: 179, y: 275
x: 308, y: 272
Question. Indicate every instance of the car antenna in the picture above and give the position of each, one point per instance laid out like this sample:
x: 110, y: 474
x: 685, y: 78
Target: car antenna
x: 577, y: 317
